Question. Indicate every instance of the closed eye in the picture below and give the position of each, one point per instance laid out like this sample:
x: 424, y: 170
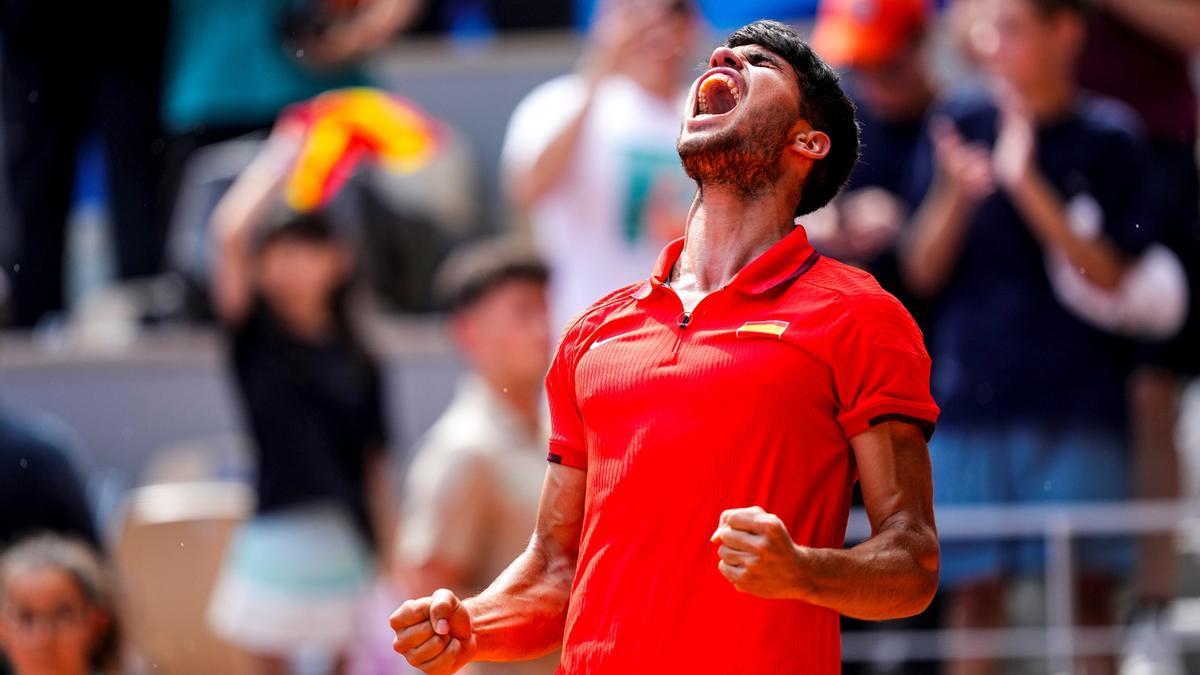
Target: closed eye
x: 760, y: 59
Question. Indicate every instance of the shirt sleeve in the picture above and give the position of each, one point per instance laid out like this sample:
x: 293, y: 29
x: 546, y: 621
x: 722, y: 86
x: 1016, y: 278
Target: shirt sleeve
x: 568, y: 444
x: 445, y: 512
x: 881, y: 368
x: 537, y: 120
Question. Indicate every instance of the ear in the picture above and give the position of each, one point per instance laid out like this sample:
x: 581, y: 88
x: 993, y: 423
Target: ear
x: 811, y: 143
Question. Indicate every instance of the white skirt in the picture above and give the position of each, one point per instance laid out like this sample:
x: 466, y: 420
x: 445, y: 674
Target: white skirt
x: 292, y: 579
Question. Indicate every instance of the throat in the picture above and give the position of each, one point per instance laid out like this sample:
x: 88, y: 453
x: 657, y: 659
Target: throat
x: 724, y: 234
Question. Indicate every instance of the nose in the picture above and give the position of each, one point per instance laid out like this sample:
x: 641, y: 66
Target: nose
x: 724, y: 56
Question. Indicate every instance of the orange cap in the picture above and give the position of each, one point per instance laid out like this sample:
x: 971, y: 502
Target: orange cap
x: 866, y: 32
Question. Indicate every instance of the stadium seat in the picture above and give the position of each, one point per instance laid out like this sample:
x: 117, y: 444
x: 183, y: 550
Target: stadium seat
x: 169, y: 549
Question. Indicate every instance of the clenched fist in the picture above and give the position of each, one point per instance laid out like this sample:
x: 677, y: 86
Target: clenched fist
x: 434, y: 633
x: 757, y: 555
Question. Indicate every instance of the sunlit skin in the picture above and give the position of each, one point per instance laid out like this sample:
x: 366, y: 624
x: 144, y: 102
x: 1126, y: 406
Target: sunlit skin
x: 750, y: 161
x: 505, y: 336
x: 47, y: 625
x: 641, y: 40
x: 1033, y: 54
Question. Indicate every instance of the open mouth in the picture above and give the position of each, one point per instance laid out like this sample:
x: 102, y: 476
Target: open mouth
x: 717, y: 94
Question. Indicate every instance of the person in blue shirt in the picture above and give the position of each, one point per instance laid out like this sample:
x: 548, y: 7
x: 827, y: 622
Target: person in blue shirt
x: 882, y: 46
x: 1033, y: 399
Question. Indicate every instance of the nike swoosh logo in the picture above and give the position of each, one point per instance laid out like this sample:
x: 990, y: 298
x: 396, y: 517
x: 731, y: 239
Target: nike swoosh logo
x: 606, y: 340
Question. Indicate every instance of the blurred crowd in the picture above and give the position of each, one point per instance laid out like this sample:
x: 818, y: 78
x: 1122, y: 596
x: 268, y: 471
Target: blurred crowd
x: 1036, y: 206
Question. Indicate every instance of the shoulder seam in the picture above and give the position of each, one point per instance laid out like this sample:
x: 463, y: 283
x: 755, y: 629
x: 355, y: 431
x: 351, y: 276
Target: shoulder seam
x: 618, y: 295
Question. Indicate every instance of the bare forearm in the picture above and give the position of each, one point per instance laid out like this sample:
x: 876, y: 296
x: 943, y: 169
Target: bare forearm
x: 1045, y: 214
x: 246, y: 204
x: 552, y: 163
x: 374, y: 24
x: 1177, y: 22
x: 938, y: 230
x: 522, y: 614
x: 889, y: 576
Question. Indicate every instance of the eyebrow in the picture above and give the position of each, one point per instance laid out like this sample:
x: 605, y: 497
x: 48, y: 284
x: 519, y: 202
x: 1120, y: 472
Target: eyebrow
x: 765, y: 53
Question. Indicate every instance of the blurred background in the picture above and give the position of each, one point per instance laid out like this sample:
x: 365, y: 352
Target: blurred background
x: 280, y: 279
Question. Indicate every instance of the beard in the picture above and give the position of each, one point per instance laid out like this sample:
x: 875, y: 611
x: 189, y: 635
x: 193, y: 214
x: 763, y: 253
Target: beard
x: 744, y: 157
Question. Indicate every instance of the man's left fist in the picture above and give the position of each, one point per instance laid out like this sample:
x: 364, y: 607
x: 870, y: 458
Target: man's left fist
x: 757, y: 554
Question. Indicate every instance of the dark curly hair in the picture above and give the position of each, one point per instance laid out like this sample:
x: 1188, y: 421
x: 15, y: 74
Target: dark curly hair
x: 822, y: 103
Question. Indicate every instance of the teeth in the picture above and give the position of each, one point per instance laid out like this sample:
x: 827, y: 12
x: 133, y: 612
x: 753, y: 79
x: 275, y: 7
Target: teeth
x: 729, y: 83
x: 702, y: 102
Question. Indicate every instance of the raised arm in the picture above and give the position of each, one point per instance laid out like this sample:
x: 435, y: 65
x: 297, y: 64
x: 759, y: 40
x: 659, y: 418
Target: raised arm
x: 246, y: 203
x: 891, y: 575
x: 1017, y: 172
x: 367, y: 29
x: 622, y: 24
x: 522, y: 614
x: 963, y: 176
x: 1175, y: 22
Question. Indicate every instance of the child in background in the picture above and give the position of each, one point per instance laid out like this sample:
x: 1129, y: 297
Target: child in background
x: 296, y: 574
x: 56, y: 613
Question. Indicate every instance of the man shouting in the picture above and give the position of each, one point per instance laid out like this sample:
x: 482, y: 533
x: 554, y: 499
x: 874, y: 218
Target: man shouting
x: 708, y: 424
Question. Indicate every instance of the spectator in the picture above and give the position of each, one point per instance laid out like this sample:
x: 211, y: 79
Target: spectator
x: 71, y: 68
x: 1139, y: 51
x: 312, y: 394
x: 590, y: 157
x: 57, y: 615
x: 40, y: 489
x: 233, y: 66
x: 883, y: 45
x: 1032, y: 398
x: 472, y: 492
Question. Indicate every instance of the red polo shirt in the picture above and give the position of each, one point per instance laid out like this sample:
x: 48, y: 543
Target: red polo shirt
x: 752, y: 399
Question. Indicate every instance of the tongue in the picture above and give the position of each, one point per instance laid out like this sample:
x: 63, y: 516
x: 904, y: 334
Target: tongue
x: 718, y: 97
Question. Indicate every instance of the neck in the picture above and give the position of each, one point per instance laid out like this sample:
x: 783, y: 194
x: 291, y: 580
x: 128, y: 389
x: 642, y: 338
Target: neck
x: 726, y: 230
x: 1052, y: 101
x: 308, y: 321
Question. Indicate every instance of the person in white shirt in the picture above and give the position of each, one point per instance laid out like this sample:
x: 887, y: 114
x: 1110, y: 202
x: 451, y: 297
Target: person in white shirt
x: 589, y: 158
x: 472, y: 491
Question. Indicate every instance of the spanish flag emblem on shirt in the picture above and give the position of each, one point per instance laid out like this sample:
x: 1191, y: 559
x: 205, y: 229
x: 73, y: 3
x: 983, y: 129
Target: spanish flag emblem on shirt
x: 762, y: 328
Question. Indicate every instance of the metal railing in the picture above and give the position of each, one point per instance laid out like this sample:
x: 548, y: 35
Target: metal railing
x: 1060, y: 641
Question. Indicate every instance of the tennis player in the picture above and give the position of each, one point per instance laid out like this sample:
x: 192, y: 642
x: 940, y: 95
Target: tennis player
x: 708, y: 424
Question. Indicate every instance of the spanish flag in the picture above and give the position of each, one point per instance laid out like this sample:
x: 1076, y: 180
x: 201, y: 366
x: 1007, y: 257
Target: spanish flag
x: 344, y: 126
x: 762, y: 328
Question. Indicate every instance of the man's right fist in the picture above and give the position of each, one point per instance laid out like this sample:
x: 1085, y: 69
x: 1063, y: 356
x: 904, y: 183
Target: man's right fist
x: 434, y: 634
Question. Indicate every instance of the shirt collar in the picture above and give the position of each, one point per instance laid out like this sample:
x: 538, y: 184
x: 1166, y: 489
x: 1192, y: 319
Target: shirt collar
x: 785, y: 261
